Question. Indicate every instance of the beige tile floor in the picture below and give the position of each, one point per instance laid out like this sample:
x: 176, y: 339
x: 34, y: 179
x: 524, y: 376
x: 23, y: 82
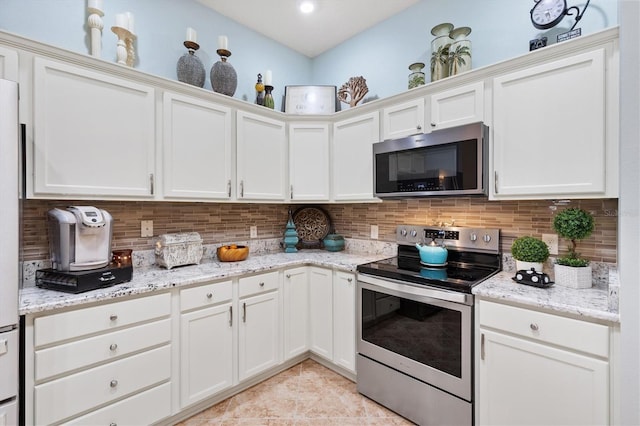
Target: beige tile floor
x: 307, y: 394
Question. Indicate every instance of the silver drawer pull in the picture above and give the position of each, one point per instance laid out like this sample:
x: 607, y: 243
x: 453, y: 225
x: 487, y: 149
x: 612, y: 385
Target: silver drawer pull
x: 534, y: 326
x: 113, y: 383
x: 209, y: 295
x: 113, y: 347
x: 113, y: 317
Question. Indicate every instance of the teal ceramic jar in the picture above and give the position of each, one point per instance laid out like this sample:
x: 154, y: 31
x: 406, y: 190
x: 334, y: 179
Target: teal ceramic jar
x: 333, y: 242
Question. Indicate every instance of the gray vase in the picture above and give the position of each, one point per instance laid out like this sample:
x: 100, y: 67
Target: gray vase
x: 190, y: 69
x: 223, y: 78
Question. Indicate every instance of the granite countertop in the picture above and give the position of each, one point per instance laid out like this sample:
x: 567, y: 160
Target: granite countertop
x: 591, y: 303
x: 153, y: 278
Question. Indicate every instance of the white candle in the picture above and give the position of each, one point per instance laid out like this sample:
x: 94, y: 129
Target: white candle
x: 223, y: 42
x: 95, y: 4
x: 121, y: 20
x: 130, y: 22
x: 268, y: 78
x: 191, y: 35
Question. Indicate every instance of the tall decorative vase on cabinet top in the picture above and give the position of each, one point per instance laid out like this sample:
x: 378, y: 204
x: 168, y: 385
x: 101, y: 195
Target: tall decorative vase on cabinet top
x: 460, y: 51
x: 440, y: 51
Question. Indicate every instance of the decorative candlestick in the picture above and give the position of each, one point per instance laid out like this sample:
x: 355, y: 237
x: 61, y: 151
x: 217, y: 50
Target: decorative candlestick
x: 94, y: 22
x: 223, y: 76
x: 190, y: 69
x: 259, y: 91
x: 125, y: 50
x: 268, y: 98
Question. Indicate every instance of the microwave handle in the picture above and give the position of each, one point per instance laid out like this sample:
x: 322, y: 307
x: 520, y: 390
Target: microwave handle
x: 495, y: 181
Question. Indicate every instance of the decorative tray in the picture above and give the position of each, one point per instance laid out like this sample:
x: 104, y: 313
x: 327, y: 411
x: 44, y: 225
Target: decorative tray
x: 312, y: 224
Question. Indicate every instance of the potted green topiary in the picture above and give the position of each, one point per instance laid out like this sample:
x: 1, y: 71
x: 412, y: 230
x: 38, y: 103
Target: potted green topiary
x: 572, y: 270
x: 529, y: 252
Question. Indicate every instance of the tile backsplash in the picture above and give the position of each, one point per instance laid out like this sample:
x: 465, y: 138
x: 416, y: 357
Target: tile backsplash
x: 219, y: 223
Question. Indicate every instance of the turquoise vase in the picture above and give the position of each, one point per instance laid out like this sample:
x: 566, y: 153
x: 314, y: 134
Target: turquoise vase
x: 290, y: 236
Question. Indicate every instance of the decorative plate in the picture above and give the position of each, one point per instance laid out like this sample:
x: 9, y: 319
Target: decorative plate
x: 312, y: 224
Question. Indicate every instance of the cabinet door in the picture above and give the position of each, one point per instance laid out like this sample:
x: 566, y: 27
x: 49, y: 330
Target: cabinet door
x: 321, y: 312
x: 259, y: 334
x: 309, y: 162
x: 261, y: 162
x: 344, y: 320
x: 353, y: 157
x: 94, y: 134
x: 206, y: 358
x: 455, y: 107
x: 523, y: 382
x: 196, y: 149
x: 296, y: 312
x: 403, y: 119
x: 549, y: 135
x: 8, y: 64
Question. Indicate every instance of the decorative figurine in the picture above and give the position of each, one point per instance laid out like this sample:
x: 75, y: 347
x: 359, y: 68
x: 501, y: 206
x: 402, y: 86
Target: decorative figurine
x: 224, y: 78
x: 353, y: 91
x: 290, y: 236
x: 268, y: 98
x: 190, y: 69
x: 259, y: 91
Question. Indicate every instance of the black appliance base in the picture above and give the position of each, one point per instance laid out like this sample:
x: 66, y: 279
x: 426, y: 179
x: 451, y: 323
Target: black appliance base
x: 81, y: 281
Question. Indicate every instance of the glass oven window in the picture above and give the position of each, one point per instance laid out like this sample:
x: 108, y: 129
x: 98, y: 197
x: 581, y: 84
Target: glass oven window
x: 428, y: 334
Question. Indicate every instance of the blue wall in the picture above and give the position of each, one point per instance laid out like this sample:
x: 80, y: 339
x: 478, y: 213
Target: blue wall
x: 501, y: 29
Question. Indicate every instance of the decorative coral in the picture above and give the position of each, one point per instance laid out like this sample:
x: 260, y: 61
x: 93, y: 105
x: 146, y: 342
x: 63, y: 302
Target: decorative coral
x: 353, y: 91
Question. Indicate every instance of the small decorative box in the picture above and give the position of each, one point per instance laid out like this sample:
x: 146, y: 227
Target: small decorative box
x: 178, y: 249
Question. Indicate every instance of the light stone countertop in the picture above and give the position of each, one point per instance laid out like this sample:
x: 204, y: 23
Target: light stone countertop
x: 590, y: 303
x: 153, y: 278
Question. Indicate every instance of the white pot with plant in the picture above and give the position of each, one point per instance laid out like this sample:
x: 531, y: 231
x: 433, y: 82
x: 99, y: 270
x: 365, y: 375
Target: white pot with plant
x: 529, y: 252
x: 572, y: 270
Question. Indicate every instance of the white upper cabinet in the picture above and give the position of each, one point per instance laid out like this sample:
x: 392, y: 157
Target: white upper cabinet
x: 309, y: 162
x: 94, y: 134
x: 403, y: 119
x: 555, y: 130
x: 353, y: 157
x: 261, y: 157
x: 196, y: 149
x: 8, y: 64
x: 458, y: 106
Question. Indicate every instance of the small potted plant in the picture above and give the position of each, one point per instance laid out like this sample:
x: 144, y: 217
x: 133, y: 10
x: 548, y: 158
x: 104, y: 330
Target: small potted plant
x: 572, y: 270
x: 529, y: 252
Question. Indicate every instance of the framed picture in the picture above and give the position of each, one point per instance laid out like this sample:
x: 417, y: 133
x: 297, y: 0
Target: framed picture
x: 310, y: 99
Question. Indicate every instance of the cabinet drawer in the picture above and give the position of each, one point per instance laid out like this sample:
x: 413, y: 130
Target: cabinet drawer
x: 86, y: 352
x: 71, y: 395
x: 68, y: 325
x: 258, y: 283
x: 205, y: 295
x: 142, y: 409
x: 571, y: 333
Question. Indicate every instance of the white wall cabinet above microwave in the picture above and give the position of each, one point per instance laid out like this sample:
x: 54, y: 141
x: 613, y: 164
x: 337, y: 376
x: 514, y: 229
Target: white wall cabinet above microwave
x: 403, y: 119
x: 76, y: 151
x: 456, y: 107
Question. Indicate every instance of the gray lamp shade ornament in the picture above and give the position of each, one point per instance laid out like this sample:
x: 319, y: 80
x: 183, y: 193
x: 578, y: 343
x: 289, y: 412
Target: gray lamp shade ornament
x: 223, y: 76
x: 189, y: 68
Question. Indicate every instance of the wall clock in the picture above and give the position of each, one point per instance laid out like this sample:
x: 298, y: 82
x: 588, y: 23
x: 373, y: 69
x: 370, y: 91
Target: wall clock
x: 547, y: 14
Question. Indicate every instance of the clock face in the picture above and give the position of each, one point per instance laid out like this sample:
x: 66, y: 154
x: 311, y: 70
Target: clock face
x: 548, y: 13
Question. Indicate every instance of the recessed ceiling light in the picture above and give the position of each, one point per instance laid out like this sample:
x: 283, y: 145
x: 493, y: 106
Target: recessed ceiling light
x: 307, y: 6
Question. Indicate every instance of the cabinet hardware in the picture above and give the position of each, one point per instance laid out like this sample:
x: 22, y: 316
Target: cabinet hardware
x: 230, y: 316
x: 418, y: 127
x: 261, y: 284
x: 113, y: 347
x: 113, y: 317
x: 244, y: 312
x: 113, y: 424
x: 534, y: 326
x: 349, y: 279
x: 108, y: 278
x: 495, y: 181
x: 113, y: 383
x: 288, y: 275
x: 291, y: 192
x: 209, y: 295
x: 433, y: 124
x: 229, y: 188
x: 482, y: 346
x: 151, y: 182
x: 241, y: 189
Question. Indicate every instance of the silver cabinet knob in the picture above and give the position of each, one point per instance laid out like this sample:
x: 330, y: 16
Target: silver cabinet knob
x: 433, y: 124
x: 534, y: 326
x: 349, y: 279
x: 209, y: 295
x: 113, y: 383
x: 113, y: 317
x: 113, y: 424
x: 288, y: 275
x: 261, y: 284
x: 418, y: 127
x: 113, y: 347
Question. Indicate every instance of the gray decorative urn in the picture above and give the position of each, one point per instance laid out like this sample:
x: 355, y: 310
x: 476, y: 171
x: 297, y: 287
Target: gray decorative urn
x: 223, y: 76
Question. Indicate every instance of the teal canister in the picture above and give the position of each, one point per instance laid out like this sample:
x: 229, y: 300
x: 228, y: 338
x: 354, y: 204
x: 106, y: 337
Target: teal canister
x: 333, y: 242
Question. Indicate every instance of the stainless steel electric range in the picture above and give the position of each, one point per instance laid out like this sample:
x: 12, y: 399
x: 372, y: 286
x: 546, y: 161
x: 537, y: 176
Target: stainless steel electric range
x: 415, y: 324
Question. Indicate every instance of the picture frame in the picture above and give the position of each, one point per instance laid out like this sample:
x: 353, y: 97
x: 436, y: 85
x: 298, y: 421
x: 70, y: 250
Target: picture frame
x: 304, y: 100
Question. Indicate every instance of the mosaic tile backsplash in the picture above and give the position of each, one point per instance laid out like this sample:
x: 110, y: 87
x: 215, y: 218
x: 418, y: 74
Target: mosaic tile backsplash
x: 220, y: 223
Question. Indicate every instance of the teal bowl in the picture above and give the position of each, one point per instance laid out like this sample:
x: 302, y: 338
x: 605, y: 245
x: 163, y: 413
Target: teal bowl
x: 333, y: 242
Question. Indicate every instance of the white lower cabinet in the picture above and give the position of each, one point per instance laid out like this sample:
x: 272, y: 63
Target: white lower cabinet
x: 295, y: 309
x: 321, y: 312
x: 206, y: 341
x: 542, y: 369
x: 259, y: 324
x: 344, y: 320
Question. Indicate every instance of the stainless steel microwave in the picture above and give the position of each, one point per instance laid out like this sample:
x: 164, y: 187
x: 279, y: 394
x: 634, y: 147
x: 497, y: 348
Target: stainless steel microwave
x: 444, y: 162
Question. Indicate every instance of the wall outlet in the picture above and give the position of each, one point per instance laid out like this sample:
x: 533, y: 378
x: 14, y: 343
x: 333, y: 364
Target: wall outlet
x: 551, y: 240
x: 253, y: 232
x: 374, y: 232
x: 146, y: 228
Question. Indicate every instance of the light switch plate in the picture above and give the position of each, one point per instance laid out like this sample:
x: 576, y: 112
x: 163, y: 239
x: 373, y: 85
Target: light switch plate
x: 253, y: 232
x: 146, y: 228
x: 551, y: 240
x: 374, y: 232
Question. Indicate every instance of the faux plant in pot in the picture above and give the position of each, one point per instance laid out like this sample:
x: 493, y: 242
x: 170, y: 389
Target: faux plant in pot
x: 571, y: 270
x: 529, y: 252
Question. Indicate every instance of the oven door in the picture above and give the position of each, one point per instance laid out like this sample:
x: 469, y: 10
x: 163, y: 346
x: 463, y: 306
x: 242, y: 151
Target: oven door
x: 419, y: 331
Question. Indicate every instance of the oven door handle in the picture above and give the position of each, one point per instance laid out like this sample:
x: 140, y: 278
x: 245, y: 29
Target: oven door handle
x: 407, y: 288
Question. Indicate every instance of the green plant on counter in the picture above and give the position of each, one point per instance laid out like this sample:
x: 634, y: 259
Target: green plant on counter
x: 573, y: 224
x: 529, y: 249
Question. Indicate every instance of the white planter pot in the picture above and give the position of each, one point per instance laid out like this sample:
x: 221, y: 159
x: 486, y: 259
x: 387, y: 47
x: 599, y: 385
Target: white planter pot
x: 569, y: 276
x: 520, y: 265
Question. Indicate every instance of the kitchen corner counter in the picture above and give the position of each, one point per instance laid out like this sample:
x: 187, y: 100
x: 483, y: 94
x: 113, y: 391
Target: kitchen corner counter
x: 149, y: 279
x: 589, y: 304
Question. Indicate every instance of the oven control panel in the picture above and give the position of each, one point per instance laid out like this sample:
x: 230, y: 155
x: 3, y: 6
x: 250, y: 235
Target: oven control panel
x: 486, y: 240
